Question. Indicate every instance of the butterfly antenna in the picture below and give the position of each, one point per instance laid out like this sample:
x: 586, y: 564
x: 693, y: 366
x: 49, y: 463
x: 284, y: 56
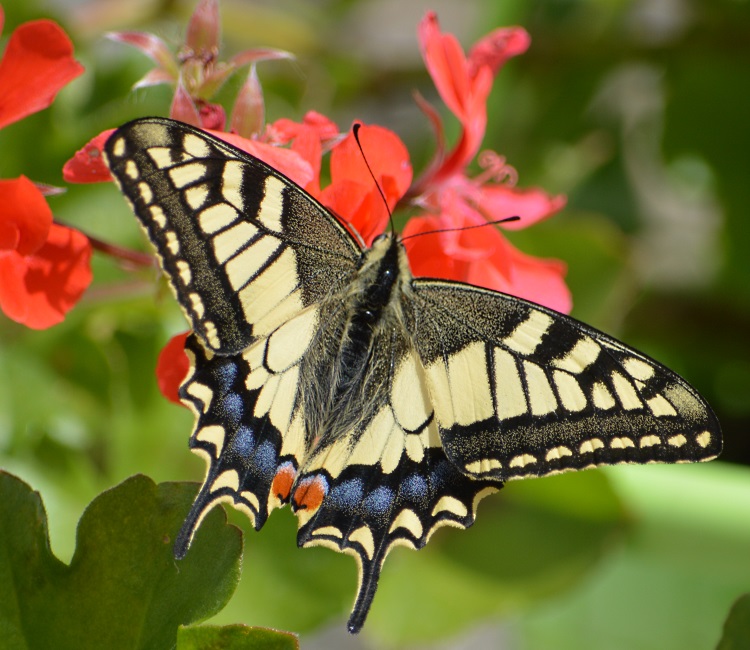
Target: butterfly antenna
x: 478, y: 225
x: 355, y: 132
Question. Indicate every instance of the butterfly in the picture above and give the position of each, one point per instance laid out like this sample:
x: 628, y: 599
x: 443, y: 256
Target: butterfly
x: 380, y: 406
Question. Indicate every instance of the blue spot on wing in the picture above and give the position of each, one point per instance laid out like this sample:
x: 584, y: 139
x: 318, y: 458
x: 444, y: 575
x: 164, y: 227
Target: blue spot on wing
x: 232, y: 410
x: 266, y: 459
x: 378, y: 502
x: 243, y: 442
x: 414, y: 488
x: 225, y: 375
x: 441, y: 474
x: 346, y: 495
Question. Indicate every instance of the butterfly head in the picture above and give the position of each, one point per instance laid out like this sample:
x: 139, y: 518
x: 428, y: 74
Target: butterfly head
x: 387, y: 259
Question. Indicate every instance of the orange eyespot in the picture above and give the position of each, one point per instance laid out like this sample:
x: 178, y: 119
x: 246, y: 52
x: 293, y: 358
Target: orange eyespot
x: 310, y: 493
x: 283, y: 481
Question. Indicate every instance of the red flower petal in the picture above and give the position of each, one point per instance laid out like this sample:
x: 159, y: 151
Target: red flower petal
x: 464, y: 89
x: 309, y: 146
x: 87, y: 165
x: 497, y: 265
x: 450, y: 254
x: 385, y: 153
x: 460, y: 220
x: 324, y: 127
x: 25, y: 217
x: 539, y: 280
x: 38, y: 290
x: 288, y: 162
x: 307, y: 140
x: 360, y: 208
x: 37, y: 63
x: 172, y: 367
x: 445, y: 61
x: 531, y: 205
x: 285, y: 130
x: 427, y: 257
x: 12, y: 289
x: 353, y: 194
x: 497, y: 47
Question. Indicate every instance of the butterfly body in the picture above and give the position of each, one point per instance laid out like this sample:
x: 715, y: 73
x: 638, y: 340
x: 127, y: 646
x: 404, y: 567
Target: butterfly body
x: 350, y: 383
x: 378, y: 405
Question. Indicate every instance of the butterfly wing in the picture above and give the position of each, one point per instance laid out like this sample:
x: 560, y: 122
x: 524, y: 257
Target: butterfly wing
x: 250, y: 425
x: 250, y: 257
x: 520, y: 390
x: 243, y: 247
x: 386, y: 481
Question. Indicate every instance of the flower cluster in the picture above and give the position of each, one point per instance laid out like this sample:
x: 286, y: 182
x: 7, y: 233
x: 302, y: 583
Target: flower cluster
x: 44, y: 266
x: 452, y: 200
x: 449, y: 202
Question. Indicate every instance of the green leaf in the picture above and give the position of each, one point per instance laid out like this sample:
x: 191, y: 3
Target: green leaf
x: 737, y: 626
x: 123, y: 588
x: 236, y: 637
x: 286, y: 587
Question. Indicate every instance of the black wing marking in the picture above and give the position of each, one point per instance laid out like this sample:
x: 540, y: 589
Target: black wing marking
x: 520, y: 390
x: 244, y: 248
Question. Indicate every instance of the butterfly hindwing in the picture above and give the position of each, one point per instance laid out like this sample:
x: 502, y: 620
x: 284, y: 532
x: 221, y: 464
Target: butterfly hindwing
x: 520, y: 390
x: 386, y: 480
x: 250, y: 424
x: 244, y: 248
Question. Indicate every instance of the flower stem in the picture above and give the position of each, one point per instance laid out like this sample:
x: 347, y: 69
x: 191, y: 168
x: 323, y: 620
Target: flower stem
x: 136, y: 258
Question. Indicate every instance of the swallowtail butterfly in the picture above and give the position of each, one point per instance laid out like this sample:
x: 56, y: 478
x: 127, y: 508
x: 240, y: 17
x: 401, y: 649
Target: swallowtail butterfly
x: 379, y: 405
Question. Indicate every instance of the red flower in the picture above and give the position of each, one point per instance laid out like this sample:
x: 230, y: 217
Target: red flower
x: 44, y: 266
x: 352, y: 194
x: 87, y: 165
x: 172, y: 367
x: 287, y: 161
x: 483, y: 257
x: 453, y: 201
x: 308, y: 139
x: 37, y: 63
x: 447, y: 191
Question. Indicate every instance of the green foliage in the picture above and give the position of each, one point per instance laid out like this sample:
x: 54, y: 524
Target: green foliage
x: 237, y: 637
x: 737, y: 626
x: 123, y: 588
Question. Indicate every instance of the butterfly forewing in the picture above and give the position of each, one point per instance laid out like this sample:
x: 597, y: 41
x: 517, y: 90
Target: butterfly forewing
x: 524, y: 391
x: 243, y: 247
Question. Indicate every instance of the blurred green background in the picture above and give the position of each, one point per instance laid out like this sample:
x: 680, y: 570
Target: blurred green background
x: 638, y: 111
